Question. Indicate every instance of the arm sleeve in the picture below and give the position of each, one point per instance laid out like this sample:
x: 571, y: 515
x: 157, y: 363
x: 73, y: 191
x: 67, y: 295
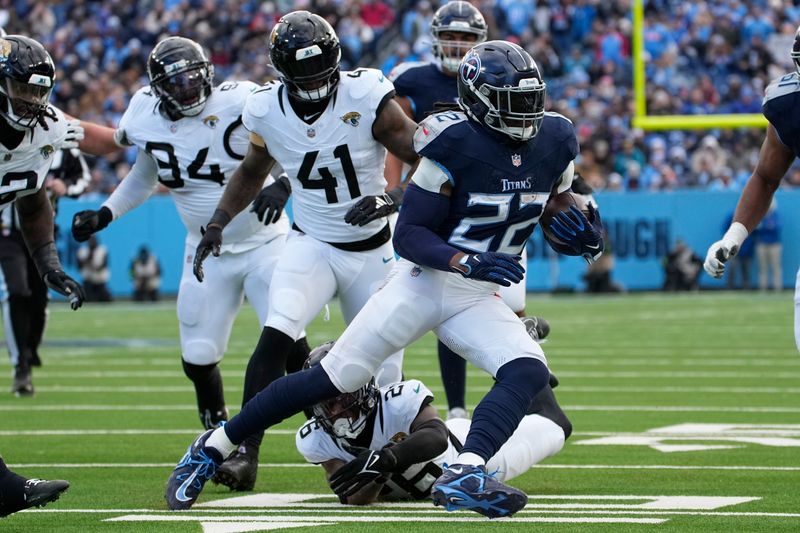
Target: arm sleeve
x: 415, y: 237
x: 426, y: 442
x: 136, y: 187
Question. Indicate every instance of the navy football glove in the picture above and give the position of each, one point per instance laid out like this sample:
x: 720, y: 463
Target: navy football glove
x: 371, y: 208
x: 495, y: 267
x: 269, y: 203
x: 581, y: 235
x: 209, y: 244
x: 368, y: 466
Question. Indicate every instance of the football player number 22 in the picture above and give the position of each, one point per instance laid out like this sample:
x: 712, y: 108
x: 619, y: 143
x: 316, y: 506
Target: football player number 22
x: 327, y: 181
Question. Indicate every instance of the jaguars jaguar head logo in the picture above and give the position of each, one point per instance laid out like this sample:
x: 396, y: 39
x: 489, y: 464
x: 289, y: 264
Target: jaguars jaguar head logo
x: 5, y: 50
x: 47, y: 150
x: 351, y: 118
x: 211, y: 121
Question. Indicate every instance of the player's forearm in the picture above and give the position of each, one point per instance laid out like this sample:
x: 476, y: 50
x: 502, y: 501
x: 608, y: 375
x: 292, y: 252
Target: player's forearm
x: 98, y: 140
x: 245, y: 184
x: 426, y: 442
x: 367, y: 495
x: 754, y: 201
x: 36, y: 221
x: 393, y: 172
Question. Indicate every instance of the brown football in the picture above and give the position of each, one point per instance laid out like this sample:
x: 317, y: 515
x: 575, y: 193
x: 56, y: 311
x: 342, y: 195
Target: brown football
x: 557, y: 204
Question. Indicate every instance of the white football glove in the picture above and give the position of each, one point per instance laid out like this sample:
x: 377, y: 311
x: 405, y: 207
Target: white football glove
x: 725, y: 248
x: 74, y: 134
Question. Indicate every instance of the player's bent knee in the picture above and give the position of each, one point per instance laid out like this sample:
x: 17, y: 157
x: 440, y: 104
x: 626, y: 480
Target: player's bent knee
x: 526, y: 373
x: 352, y: 371
x: 201, y: 352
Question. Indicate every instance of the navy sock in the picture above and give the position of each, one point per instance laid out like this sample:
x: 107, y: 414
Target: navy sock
x: 454, y: 376
x: 497, y: 416
x: 280, y: 400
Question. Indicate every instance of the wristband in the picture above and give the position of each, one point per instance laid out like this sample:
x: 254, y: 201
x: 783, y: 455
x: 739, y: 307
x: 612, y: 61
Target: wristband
x: 736, y: 233
x: 219, y: 218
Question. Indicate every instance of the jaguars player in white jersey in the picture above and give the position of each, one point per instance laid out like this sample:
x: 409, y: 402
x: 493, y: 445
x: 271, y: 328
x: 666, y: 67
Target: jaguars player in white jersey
x: 399, y: 419
x: 781, y: 107
x: 329, y: 130
x: 190, y: 138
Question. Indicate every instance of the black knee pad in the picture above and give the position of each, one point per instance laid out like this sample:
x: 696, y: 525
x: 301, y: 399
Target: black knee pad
x: 545, y: 404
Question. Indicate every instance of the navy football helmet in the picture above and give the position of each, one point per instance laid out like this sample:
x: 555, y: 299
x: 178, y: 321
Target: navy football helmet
x: 499, y: 86
x: 346, y: 415
x: 181, y: 76
x: 27, y: 76
x: 457, y: 17
x: 304, y: 48
x: 796, y: 50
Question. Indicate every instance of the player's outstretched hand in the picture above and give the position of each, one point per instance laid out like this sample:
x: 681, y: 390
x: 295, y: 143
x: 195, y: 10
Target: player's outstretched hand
x: 84, y: 223
x: 60, y: 282
x: 368, y: 466
x: 74, y: 135
x: 269, y: 203
x: 581, y: 233
x: 500, y: 268
x: 209, y: 244
x: 717, y: 255
x: 371, y: 208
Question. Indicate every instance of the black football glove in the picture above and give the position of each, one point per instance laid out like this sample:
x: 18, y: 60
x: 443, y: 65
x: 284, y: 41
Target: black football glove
x: 368, y: 466
x: 209, y: 244
x: 495, y: 267
x: 584, y: 236
x: 84, y: 223
x: 371, y: 208
x: 269, y: 203
x: 66, y: 286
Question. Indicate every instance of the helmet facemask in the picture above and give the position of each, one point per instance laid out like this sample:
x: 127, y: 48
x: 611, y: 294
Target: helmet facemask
x: 313, y: 75
x: 451, y: 43
x: 346, y: 415
x: 796, y: 51
x: 185, y: 88
x: 25, y: 103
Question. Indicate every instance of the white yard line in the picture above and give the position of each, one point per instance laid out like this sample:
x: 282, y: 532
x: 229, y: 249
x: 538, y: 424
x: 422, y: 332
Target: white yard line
x: 544, y: 466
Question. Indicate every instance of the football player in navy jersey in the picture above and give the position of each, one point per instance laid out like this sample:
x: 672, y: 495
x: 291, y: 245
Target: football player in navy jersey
x: 474, y: 198
x: 781, y: 107
x: 456, y: 27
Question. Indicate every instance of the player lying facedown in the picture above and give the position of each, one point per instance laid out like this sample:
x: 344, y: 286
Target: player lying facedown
x: 390, y: 444
x: 474, y: 198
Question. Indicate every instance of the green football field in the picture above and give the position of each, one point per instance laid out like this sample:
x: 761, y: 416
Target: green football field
x: 686, y: 411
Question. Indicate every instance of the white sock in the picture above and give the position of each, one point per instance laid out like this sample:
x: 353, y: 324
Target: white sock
x: 471, y: 459
x: 219, y: 441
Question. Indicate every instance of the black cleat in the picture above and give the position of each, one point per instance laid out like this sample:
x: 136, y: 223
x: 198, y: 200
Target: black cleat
x: 472, y: 488
x: 37, y: 493
x: 538, y: 328
x: 23, y: 382
x: 239, y: 472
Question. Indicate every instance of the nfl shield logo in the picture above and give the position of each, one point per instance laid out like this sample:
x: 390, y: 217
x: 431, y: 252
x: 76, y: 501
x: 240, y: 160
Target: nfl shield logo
x: 516, y: 160
x: 311, y: 132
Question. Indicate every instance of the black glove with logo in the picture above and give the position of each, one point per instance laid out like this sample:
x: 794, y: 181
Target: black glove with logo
x: 371, y: 208
x: 209, y: 244
x: 269, y: 203
x: 84, y: 223
x: 368, y: 466
x: 60, y: 282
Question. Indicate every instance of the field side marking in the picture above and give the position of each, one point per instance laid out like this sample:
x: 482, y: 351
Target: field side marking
x: 337, y: 519
x: 593, y: 408
x: 551, y: 466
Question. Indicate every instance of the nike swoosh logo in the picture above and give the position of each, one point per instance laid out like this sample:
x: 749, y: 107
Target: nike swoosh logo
x: 457, y: 471
x: 181, y: 493
x: 386, y: 260
x: 372, y: 461
x: 312, y: 115
x: 595, y: 247
x: 418, y: 387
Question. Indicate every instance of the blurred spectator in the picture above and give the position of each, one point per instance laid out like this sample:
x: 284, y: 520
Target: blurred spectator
x: 146, y: 275
x: 93, y: 264
x: 598, y: 274
x: 682, y: 268
x: 769, y: 249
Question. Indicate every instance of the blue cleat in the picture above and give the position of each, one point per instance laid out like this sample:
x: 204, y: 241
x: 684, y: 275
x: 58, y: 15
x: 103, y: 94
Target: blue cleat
x: 187, y: 480
x: 471, y: 487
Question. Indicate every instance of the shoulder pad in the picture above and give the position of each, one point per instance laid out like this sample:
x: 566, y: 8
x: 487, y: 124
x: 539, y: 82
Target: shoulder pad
x: 564, y: 131
x: 788, y: 84
x: 405, y: 67
x: 366, y: 79
x: 259, y: 101
x: 142, y: 102
x: 434, y: 125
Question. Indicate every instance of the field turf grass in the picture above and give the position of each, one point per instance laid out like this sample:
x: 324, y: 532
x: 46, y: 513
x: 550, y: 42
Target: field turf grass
x: 113, y: 412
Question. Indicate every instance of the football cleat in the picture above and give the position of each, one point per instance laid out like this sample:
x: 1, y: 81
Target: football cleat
x: 471, y: 487
x: 198, y: 465
x: 37, y: 493
x: 538, y: 328
x: 239, y: 471
x: 23, y: 384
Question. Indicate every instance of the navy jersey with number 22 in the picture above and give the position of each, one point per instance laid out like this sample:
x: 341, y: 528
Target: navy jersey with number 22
x: 499, y: 187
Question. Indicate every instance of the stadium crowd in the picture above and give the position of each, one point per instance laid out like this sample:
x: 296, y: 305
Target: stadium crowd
x: 701, y: 57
